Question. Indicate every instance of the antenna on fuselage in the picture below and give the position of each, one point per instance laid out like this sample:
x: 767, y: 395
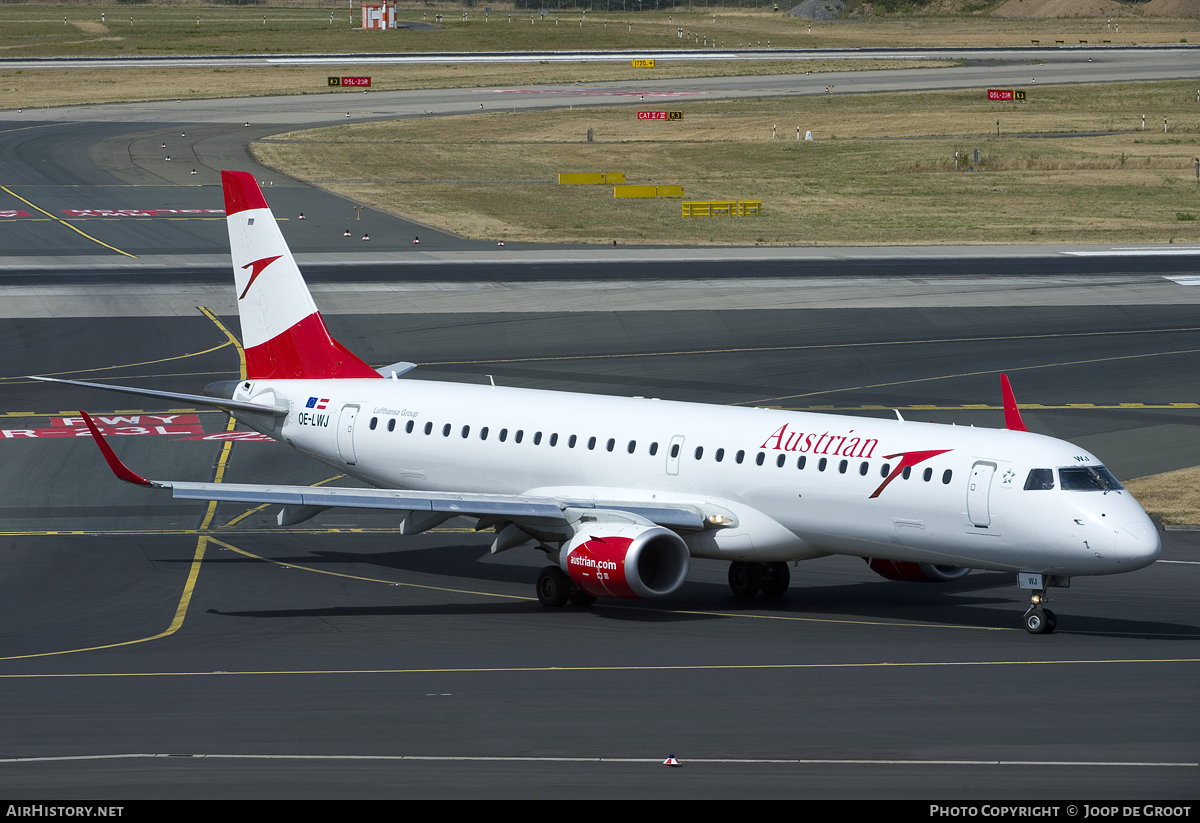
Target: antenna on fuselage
x: 898, y: 417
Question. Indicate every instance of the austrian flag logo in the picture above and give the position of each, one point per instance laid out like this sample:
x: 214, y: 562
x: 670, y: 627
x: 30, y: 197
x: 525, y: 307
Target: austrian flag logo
x: 314, y: 403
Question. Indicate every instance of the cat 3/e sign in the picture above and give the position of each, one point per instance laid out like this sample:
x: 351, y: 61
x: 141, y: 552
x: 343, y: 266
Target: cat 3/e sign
x: 1005, y: 94
x: 349, y: 81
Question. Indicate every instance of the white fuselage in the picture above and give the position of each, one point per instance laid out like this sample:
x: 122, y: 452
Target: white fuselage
x: 803, y: 486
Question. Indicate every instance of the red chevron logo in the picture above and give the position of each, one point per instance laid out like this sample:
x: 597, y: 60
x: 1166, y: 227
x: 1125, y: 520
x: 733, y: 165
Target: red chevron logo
x: 907, y: 459
x: 258, y: 265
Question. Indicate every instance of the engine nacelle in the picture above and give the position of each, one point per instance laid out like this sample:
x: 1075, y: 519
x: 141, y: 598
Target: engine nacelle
x: 612, y: 560
x: 915, y: 572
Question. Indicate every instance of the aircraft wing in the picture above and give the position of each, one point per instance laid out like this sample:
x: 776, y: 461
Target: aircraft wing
x: 429, y: 508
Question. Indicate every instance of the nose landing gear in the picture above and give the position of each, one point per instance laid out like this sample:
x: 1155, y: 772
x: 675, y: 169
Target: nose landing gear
x: 1039, y: 620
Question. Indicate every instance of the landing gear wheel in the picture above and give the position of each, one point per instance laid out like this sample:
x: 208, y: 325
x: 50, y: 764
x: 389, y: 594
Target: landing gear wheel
x: 745, y: 578
x: 553, y: 587
x: 578, y: 597
x: 1039, y: 621
x: 775, y: 579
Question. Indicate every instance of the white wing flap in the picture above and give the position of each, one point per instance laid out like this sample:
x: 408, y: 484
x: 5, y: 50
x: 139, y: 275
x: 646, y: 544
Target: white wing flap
x: 468, y: 505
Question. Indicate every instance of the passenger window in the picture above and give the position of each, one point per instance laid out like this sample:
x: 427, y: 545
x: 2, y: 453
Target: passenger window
x: 632, y: 447
x: 822, y: 463
x: 466, y: 430
x: 800, y: 464
x: 928, y: 475
x: 610, y: 444
x: 483, y: 433
x: 780, y: 460
x: 946, y: 475
x: 1039, y: 480
x: 392, y: 425
x: 537, y: 438
x: 740, y: 456
x: 591, y: 443
x: 429, y: 427
x: 554, y: 439
x: 758, y: 460
x: 907, y: 472
x: 519, y: 435
x: 720, y: 455
x: 863, y: 468
x: 653, y: 449
x: 408, y: 427
x: 885, y: 469
x: 674, y: 450
x: 842, y: 466
x: 374, y: 423
x: 503, y: 435
x: 699, y: 452
x: 446, y: 430
x: 571, y: 442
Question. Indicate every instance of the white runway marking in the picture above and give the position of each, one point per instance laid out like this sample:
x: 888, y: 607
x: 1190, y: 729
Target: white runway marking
x: 651, y: 760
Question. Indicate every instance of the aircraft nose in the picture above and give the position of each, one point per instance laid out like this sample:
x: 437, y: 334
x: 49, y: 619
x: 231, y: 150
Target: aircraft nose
x: 1137, y: 545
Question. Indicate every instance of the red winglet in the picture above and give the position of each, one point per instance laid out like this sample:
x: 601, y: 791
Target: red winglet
x: 118, y: 468
x: 241, y: 192
x: 1012, y: 415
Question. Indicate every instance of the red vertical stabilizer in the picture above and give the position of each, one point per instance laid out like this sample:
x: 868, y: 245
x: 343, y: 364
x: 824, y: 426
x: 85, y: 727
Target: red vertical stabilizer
x: 284, y: 335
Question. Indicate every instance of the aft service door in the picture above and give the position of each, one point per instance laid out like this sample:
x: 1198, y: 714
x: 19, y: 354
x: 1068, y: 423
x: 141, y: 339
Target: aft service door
x: 979, y: 491
x: 345, y: 434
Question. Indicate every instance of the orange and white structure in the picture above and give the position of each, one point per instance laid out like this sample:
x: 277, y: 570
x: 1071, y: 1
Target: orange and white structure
x: 379, y: 15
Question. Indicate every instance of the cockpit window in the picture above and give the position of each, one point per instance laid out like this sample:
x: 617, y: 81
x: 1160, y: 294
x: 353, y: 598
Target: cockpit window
x: 1088, y: 479
x: 1039, y: 480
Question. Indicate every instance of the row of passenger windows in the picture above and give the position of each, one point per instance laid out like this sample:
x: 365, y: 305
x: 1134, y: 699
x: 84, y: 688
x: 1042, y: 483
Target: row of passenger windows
x: 843, y: 466
x: 518, y: 436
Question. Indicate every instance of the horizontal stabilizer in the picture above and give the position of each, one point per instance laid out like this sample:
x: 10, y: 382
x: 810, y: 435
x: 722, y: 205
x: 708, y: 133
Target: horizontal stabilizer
x: 197, y: 399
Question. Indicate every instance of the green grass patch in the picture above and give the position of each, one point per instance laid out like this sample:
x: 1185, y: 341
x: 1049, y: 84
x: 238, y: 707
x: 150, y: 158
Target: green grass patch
x: 34, y: 30
x: 881, y: 170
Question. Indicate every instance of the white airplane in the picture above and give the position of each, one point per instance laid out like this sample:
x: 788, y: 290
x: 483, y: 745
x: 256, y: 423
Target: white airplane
x: 620, y: 493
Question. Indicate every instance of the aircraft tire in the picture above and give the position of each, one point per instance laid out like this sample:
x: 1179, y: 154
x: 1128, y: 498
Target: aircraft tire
x: 553, y: 587
x: 1037, y: 622
x: 775, y: 579
x: 745, y: 578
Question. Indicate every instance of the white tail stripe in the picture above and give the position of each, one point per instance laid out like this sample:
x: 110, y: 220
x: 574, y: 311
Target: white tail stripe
x: 272, y: 293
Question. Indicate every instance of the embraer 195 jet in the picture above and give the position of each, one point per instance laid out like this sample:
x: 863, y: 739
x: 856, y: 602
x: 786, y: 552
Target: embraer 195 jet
x: 620, y: 493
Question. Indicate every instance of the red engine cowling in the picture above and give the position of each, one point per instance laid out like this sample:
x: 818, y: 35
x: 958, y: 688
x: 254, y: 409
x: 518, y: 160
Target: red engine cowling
x: 915, y: 572
x: 626, y: 561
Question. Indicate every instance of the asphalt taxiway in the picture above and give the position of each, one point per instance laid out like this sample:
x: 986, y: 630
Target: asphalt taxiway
x: 339, y: 659
x: 150, y: 648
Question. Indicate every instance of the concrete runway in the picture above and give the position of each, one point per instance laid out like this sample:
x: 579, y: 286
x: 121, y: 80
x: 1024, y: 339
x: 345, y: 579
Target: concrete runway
x: 145, y: 652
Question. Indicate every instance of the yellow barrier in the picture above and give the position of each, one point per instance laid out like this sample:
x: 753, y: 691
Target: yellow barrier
x: 721, y: 208
x: 589, y: 177
x: 635, y: 191
x: 647, y: 191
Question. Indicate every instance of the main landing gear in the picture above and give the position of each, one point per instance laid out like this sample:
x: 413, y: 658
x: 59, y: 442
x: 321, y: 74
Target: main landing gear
x: 748, y: 579
x: 555, y: 589
x: 1039, y: 620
